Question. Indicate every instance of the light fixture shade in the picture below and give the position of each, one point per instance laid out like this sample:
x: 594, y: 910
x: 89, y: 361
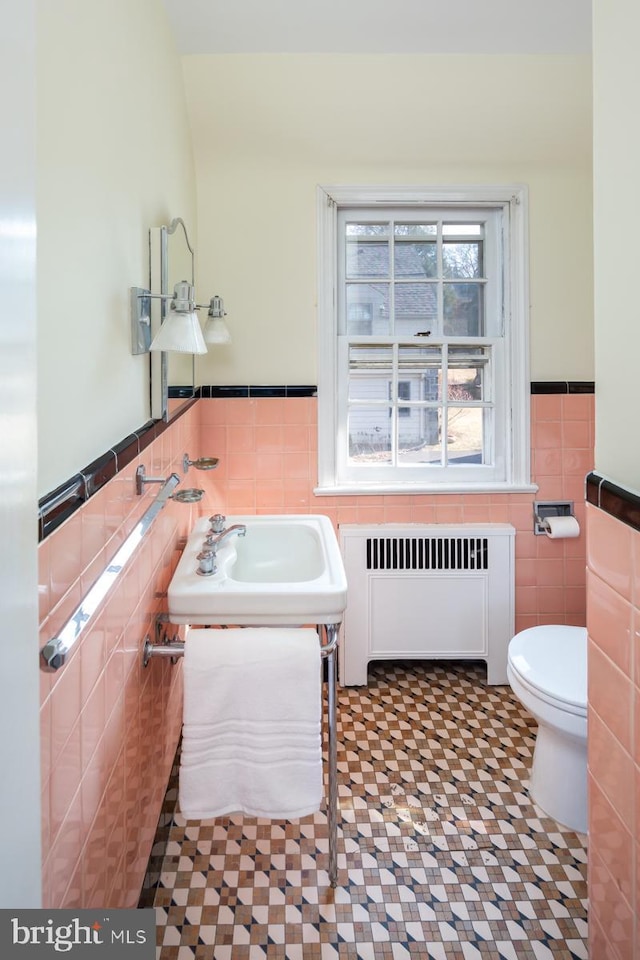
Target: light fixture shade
x: 180, y: 333
x: 216, y: 331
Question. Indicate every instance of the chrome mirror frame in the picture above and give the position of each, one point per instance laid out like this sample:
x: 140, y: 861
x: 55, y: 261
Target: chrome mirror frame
x: 159, y: 265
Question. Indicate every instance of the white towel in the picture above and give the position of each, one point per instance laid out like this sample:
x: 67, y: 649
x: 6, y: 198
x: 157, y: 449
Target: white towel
x: 252, y: 720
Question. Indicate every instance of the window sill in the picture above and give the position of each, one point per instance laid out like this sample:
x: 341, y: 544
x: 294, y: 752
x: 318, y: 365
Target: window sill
x: 363, y: 490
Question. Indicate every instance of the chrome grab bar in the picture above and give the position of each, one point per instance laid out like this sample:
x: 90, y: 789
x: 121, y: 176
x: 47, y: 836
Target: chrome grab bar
x: 54, y: 653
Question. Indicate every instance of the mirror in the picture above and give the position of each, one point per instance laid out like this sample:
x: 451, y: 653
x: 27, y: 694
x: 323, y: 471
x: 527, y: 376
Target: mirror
x: 171, y: 260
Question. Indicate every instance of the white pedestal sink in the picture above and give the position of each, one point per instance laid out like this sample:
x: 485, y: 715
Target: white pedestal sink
x: 286, y: 570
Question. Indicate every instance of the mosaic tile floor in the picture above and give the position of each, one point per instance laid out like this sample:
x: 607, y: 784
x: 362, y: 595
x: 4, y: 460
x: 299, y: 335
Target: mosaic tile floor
x: 442, y: 856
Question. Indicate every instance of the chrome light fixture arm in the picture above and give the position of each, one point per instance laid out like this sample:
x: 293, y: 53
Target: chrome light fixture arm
x: 173, y: 226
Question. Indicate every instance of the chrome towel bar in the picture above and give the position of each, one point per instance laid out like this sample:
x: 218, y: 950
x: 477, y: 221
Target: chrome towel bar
x: 55, y: 652
x: 328, y: 648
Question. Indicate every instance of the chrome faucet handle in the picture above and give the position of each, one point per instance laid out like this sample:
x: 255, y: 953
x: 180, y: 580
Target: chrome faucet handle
x: 217, y: 522
x: 207, y: 563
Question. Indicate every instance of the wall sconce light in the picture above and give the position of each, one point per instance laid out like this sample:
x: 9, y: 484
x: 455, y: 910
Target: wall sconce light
x: 180, y: 331
x: 215, y: 329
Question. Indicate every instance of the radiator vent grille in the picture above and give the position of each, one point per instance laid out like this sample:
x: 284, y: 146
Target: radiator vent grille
x: 427, y: 553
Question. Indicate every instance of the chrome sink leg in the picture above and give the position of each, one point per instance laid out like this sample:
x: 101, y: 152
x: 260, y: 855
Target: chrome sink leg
x: 331, y: 632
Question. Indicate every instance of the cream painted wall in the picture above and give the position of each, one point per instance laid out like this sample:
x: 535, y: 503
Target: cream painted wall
x: 20, y: 679
x: 267, y: 129
x: 616, y: 205
x: 114, y: 158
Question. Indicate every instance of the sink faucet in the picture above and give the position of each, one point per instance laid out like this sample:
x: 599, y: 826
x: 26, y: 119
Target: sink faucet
x: 207, y: 556
x: 217, y: 522
x: 207, y: 563
x: 213, y: 542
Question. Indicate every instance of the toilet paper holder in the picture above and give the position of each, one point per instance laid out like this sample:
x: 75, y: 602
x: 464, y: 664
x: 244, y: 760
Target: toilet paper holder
x: 542, y: 509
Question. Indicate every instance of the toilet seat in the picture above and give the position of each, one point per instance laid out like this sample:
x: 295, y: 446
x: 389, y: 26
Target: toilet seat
x: 529, y: 690
x: 551, y: 663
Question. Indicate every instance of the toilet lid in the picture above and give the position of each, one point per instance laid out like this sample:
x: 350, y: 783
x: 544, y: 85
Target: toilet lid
x: 553, y: 660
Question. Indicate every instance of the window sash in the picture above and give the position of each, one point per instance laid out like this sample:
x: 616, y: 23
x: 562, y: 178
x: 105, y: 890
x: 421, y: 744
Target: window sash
x: 492, y: 467
x: 382, y: 288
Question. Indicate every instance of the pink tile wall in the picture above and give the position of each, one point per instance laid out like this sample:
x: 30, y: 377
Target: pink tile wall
x: 268, y: 463
x: 109, y: 726
x: 614, y: 736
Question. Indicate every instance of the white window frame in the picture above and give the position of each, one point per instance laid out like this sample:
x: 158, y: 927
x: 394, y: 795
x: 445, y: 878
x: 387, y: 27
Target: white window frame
x: 513, y: 412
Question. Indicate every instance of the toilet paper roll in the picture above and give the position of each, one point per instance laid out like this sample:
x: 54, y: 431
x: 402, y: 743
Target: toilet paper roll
x: 560, y: 528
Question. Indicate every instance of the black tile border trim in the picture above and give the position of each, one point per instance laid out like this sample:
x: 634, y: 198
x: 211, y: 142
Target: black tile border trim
x: 186, y: 392
x: 617, y: 501
x: 212, y: 392
x: 562, y: 386
x: 55, y: 507
x: 252, y: 391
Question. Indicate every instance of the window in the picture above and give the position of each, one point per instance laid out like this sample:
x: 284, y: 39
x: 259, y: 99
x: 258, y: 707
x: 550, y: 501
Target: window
x: 404, y: 393
x: 423, y: 380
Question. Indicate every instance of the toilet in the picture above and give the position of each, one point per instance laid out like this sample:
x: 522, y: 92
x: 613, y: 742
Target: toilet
x: 547, y: 670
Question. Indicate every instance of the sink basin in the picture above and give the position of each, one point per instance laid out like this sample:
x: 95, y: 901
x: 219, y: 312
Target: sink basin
x: 287, y: 570
x: 278, y: 553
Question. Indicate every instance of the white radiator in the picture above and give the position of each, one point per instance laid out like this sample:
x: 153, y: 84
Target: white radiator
x: 427, y: 591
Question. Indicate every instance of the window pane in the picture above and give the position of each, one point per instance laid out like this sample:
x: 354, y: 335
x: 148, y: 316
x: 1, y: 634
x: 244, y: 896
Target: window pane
x: 367, y: 229
x: 419, y: 436
x: 416, y: 307
x: 465, y: 382
x: 369, y: 430
x: 421, y: 367
x: 462, y: 354
x: 377, y: 357
x: 461, y: 261
x: 415, y: 259
x: 369, y: 387
x: 465, y: 435
x: 462, y: 229
x: 405, y: 392
x: 463, y: 309
x: 367, y: 258
x: 415, y: 229
x: 370, y: 372
x: 368, y: 309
